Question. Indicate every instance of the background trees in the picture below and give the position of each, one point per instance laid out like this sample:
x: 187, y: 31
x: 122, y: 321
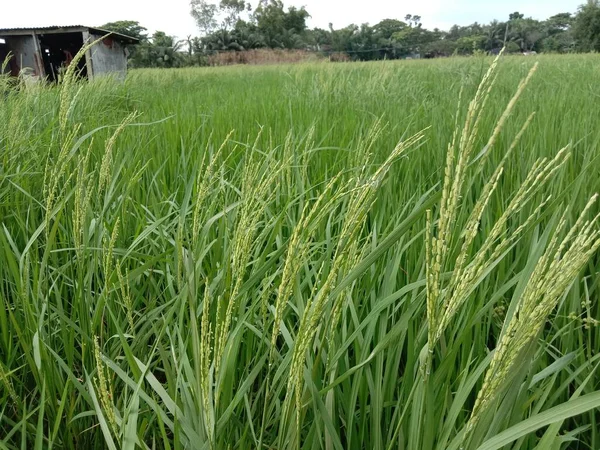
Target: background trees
x: 280, y: 28
x: 128, y: 28
x: 159, y: 50
x: 236, y: 25
x: 587, y: 27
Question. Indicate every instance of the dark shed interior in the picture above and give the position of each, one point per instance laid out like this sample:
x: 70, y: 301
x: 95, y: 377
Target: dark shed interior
x: 58, y: 50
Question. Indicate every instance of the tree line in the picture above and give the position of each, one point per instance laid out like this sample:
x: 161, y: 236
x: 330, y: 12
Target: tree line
x: 235, y: 25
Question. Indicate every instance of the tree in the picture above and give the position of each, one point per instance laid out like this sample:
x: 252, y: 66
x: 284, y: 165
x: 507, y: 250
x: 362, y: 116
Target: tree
x: 516, y: 16
x: 413, y: 20
x: 230, y: 25
x: 343, y: 39
x: 190, y: 45
x: 247, y: 34
x: 467, y: 45
x: 383, y: 38
x: 232, y: 10
x: 559, y: 23
x: 456, y: 31
x: 512, y: 47
x: 494, y: 34
x: 412, y: 39
x: 161, y: 51
x: 211, y: 17
x: 387, y: 27
x: 367, y: 43
x: 586, y: 28
x: 162, y: 39
x: 280, y: 28
x: 558, y: 31
x: 205, y: 15
x: 526, y: 33
x: 319, y: 39
x: 559, y: 43
x: 128, y: 28
x: 439, y: 47
x: 295, y: 20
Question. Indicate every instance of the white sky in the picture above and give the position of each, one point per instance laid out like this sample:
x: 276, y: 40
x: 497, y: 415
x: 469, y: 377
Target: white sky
x: 173, y: 16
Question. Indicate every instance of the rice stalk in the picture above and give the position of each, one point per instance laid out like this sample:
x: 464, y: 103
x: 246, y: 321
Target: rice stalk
x: 126, y: 296
x: 361, y: 199
x: 108, y: 250
x: 256, y: 191
x: 103, y: 387
x: 205, y: 375
x: 207, y: 177
x: 553, y: 275
x: 443, y: 301
x: 107, y: 158
x: 83, y: 195
x: 297, y: 252
x: 8, y: 386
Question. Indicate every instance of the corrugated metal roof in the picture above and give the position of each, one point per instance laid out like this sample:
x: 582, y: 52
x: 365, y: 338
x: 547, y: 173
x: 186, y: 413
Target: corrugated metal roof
x: 51, y: 27
x: 64, y: 29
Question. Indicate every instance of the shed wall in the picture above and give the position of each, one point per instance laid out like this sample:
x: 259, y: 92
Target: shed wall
x: 25, y: 55
x: 108, y: 57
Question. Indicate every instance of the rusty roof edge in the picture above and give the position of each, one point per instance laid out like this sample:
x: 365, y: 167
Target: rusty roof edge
x: 66, y: 29
x: 124, y: 37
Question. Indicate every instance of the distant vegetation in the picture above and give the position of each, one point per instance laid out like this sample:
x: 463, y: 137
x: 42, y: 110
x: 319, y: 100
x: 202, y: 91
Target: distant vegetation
x: 234, y: 25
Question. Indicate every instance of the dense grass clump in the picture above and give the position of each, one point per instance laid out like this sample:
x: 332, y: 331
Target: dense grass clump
x: 392, y: 255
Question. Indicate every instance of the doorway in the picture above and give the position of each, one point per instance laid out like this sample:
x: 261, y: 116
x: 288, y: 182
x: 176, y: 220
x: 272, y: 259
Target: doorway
x: 58, y: 51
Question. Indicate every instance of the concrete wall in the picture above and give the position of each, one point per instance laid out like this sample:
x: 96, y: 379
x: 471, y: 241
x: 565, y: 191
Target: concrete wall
x: 108, y: 58
x: 25, y: 55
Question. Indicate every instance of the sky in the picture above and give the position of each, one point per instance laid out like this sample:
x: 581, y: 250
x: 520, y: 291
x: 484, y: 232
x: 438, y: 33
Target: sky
x: 172, y: 16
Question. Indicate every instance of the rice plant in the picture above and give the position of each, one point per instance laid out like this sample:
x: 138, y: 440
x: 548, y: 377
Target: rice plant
x: 383, y: 255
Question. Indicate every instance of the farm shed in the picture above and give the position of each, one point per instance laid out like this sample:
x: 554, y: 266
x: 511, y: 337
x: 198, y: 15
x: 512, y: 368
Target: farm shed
x: 44, y: 52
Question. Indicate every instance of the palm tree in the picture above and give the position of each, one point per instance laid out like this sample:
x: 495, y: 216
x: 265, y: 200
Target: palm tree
x: 494, y: 35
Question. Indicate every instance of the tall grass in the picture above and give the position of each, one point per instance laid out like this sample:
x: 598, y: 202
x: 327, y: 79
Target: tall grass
x: 384, y: 255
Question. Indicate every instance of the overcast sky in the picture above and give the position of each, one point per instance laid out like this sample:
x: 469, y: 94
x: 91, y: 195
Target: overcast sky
x: 172, y: 16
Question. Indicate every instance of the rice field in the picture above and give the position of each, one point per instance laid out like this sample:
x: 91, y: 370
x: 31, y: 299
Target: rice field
x: 387, y: 255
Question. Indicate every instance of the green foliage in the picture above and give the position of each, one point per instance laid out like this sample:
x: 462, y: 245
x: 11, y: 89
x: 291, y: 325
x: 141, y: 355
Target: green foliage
x: 210, y: 17
x: 559, y: 43
x: 233, y: 25
x: 413, y: 39
x: 512, y: 47
x: 161, y: 50
x: 280, y: 28
x: 516, y: 16
x: 559, y: 23
x: 441, y: 47
x: 232, y: 9
x: 470, y: 44
x: 204, y: 13
x: 128, y: 28
x: 387, y: 28
x: 527, y: 33
x: 245, y: 36
x: 587, y: 26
